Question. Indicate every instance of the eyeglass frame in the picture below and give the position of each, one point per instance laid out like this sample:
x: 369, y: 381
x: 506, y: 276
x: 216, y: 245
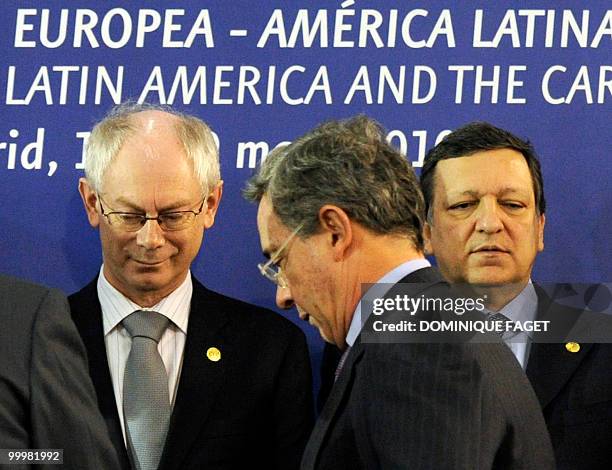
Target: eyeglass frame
x: 267, y: 270
x: 145, y: 218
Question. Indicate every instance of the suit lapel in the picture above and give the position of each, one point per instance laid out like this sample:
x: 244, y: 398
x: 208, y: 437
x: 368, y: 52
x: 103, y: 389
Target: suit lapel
x: 425, y: 276
x: 551, y: 365
x: 201, y: 378
x: 339, y: 390
x: 87, y: 315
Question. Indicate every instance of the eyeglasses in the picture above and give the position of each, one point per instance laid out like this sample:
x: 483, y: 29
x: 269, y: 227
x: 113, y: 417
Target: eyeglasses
x: 270, y: 269
x: 168, y: 221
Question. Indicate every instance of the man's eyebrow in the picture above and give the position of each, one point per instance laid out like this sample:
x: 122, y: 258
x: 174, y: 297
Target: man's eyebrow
x: 125, y: 202
x: 502, y: 192
x: 171, y: 207
x: 179, y: 206
x: 468, y: 192
x: 511, y: 190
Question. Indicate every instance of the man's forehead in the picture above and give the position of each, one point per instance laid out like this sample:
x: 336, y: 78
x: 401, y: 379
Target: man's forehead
x: 501, y: 171
x: 159, y: 169
x: 164, y: 202
x: 149, y: 163
x: 153, y: 142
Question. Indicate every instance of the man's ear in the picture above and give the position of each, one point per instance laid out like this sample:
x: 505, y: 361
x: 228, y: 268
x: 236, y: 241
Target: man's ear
x: 90, y: 200
x: 540, y: 228
x: 427, y: 239
x: 211, y: 205
x: 338, y: 228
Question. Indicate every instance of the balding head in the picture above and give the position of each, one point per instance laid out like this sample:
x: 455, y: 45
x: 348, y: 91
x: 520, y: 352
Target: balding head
x: 127, y: 120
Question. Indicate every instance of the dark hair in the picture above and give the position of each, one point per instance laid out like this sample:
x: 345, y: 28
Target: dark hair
x: 476, y: 137
x: 348, y: 164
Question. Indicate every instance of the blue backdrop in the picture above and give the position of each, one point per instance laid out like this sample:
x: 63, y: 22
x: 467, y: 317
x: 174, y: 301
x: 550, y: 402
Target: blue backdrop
x: 264, y: 72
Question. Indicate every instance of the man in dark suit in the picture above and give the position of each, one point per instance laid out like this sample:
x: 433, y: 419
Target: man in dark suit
x: 46, y: 397
x: 486, y: 209
x: 340, y: 208
x: 185, y: 377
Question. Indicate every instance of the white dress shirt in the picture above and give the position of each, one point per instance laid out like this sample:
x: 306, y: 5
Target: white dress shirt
x: 116, y: 306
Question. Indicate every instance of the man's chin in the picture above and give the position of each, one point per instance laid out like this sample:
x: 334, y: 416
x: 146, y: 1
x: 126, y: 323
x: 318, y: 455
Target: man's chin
x: 312, y: 321
x: 490, y: 276
x: 324, y: 335
x: 149, y: 280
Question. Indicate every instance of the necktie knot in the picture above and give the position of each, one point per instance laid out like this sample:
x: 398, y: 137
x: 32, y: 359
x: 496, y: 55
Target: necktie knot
x: 146, y: 323
x: 500, y: 317
x: 497, y: 317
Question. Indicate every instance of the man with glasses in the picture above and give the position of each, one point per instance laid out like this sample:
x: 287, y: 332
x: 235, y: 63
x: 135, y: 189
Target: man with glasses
x: 340, y: 208
x: 270, y: 269
x: 185, y: 377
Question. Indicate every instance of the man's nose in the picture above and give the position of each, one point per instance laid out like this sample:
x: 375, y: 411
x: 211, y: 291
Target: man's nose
x: 284, y: 298
x: 488, y: 217
x: 150, y: 236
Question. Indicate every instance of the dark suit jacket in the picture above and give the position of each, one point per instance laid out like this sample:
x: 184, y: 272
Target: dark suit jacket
x: 575, y: 392
x: 430, y: 406
x: 251, y: 409
x: 46, y: 396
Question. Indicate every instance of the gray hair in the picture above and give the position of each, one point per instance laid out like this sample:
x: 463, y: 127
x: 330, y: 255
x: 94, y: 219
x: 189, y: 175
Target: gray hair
x: 109, y: 135
x: 348, y: 164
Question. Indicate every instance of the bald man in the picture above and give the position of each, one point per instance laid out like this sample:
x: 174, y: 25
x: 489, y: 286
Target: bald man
x: 185, y: 377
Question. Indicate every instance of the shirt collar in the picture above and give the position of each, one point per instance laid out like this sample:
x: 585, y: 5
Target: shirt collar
x: 116, y: 306
x: 524, y: 307
x: 384, y: 283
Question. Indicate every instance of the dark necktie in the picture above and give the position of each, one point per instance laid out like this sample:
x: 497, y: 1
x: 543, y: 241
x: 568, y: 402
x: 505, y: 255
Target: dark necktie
x: 341, y: 363
x: 146, y: 401
x: 500, y: 317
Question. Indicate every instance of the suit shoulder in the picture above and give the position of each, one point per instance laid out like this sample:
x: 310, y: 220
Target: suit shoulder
x: 22, y: 299
x: 20, y: 302
x: 13, y: 288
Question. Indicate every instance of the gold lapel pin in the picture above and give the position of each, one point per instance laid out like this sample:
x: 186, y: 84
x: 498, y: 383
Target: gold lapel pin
x: 572, y: 347
x: 213, y: 354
